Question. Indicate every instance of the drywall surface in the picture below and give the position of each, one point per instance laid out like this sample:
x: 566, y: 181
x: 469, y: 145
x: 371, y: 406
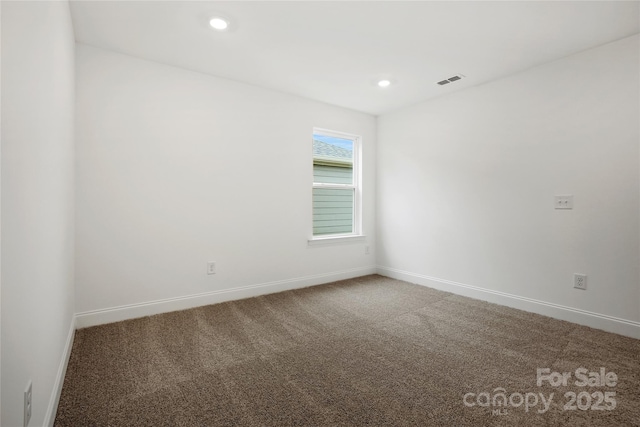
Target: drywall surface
x: 466, y: 184
x: 37, y: 203
x: 176, y: 169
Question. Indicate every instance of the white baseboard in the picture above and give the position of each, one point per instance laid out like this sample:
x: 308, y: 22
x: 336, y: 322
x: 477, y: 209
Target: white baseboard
x: 582, y: 317
x: 50, y: 415
x: 132, y: 311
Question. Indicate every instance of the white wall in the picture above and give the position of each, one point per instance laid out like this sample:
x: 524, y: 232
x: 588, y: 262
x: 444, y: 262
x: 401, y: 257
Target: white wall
x: 37, y: 203
x: 176, y: 168
x: 466, y: 184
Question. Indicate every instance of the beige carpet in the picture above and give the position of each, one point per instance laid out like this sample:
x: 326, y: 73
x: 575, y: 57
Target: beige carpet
x: 370, y: 351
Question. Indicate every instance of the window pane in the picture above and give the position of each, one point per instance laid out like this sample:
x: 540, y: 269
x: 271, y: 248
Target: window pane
x: 332, y: 160
x: 332, y: 211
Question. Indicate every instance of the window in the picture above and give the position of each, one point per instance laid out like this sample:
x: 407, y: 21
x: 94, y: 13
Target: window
x: 336, y: 184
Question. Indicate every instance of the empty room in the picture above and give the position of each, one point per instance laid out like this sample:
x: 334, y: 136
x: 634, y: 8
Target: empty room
x: 320, y: 213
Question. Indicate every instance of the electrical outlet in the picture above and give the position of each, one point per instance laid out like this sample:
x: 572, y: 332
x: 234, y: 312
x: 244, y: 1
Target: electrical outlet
x: 28, y: 403
x: 580, y: 281
x: 211, y: 268
x: 366, y: 250
x: 564, y: 202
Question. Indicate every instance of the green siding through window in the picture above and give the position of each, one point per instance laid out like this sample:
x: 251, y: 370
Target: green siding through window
x: 332, y: 174
x: 332, y: 211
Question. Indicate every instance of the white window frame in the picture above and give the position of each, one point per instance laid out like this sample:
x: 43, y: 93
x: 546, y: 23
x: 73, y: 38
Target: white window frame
x: 356, y: 234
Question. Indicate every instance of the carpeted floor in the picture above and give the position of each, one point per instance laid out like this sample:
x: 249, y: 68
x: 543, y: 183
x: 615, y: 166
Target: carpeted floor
x: 370, y: 351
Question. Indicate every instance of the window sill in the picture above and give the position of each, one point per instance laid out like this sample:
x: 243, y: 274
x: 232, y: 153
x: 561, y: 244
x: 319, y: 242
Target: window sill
x: 333, y: 240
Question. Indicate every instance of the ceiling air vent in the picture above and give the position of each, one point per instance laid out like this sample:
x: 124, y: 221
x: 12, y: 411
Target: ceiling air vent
x: 450, y: 79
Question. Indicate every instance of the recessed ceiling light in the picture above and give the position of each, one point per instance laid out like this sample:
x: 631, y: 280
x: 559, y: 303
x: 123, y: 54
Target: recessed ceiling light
x: 218, y: 23
x: 384, y: 83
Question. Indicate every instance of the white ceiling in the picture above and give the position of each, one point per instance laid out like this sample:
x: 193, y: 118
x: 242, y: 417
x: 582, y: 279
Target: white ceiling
x: 335, y: 51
